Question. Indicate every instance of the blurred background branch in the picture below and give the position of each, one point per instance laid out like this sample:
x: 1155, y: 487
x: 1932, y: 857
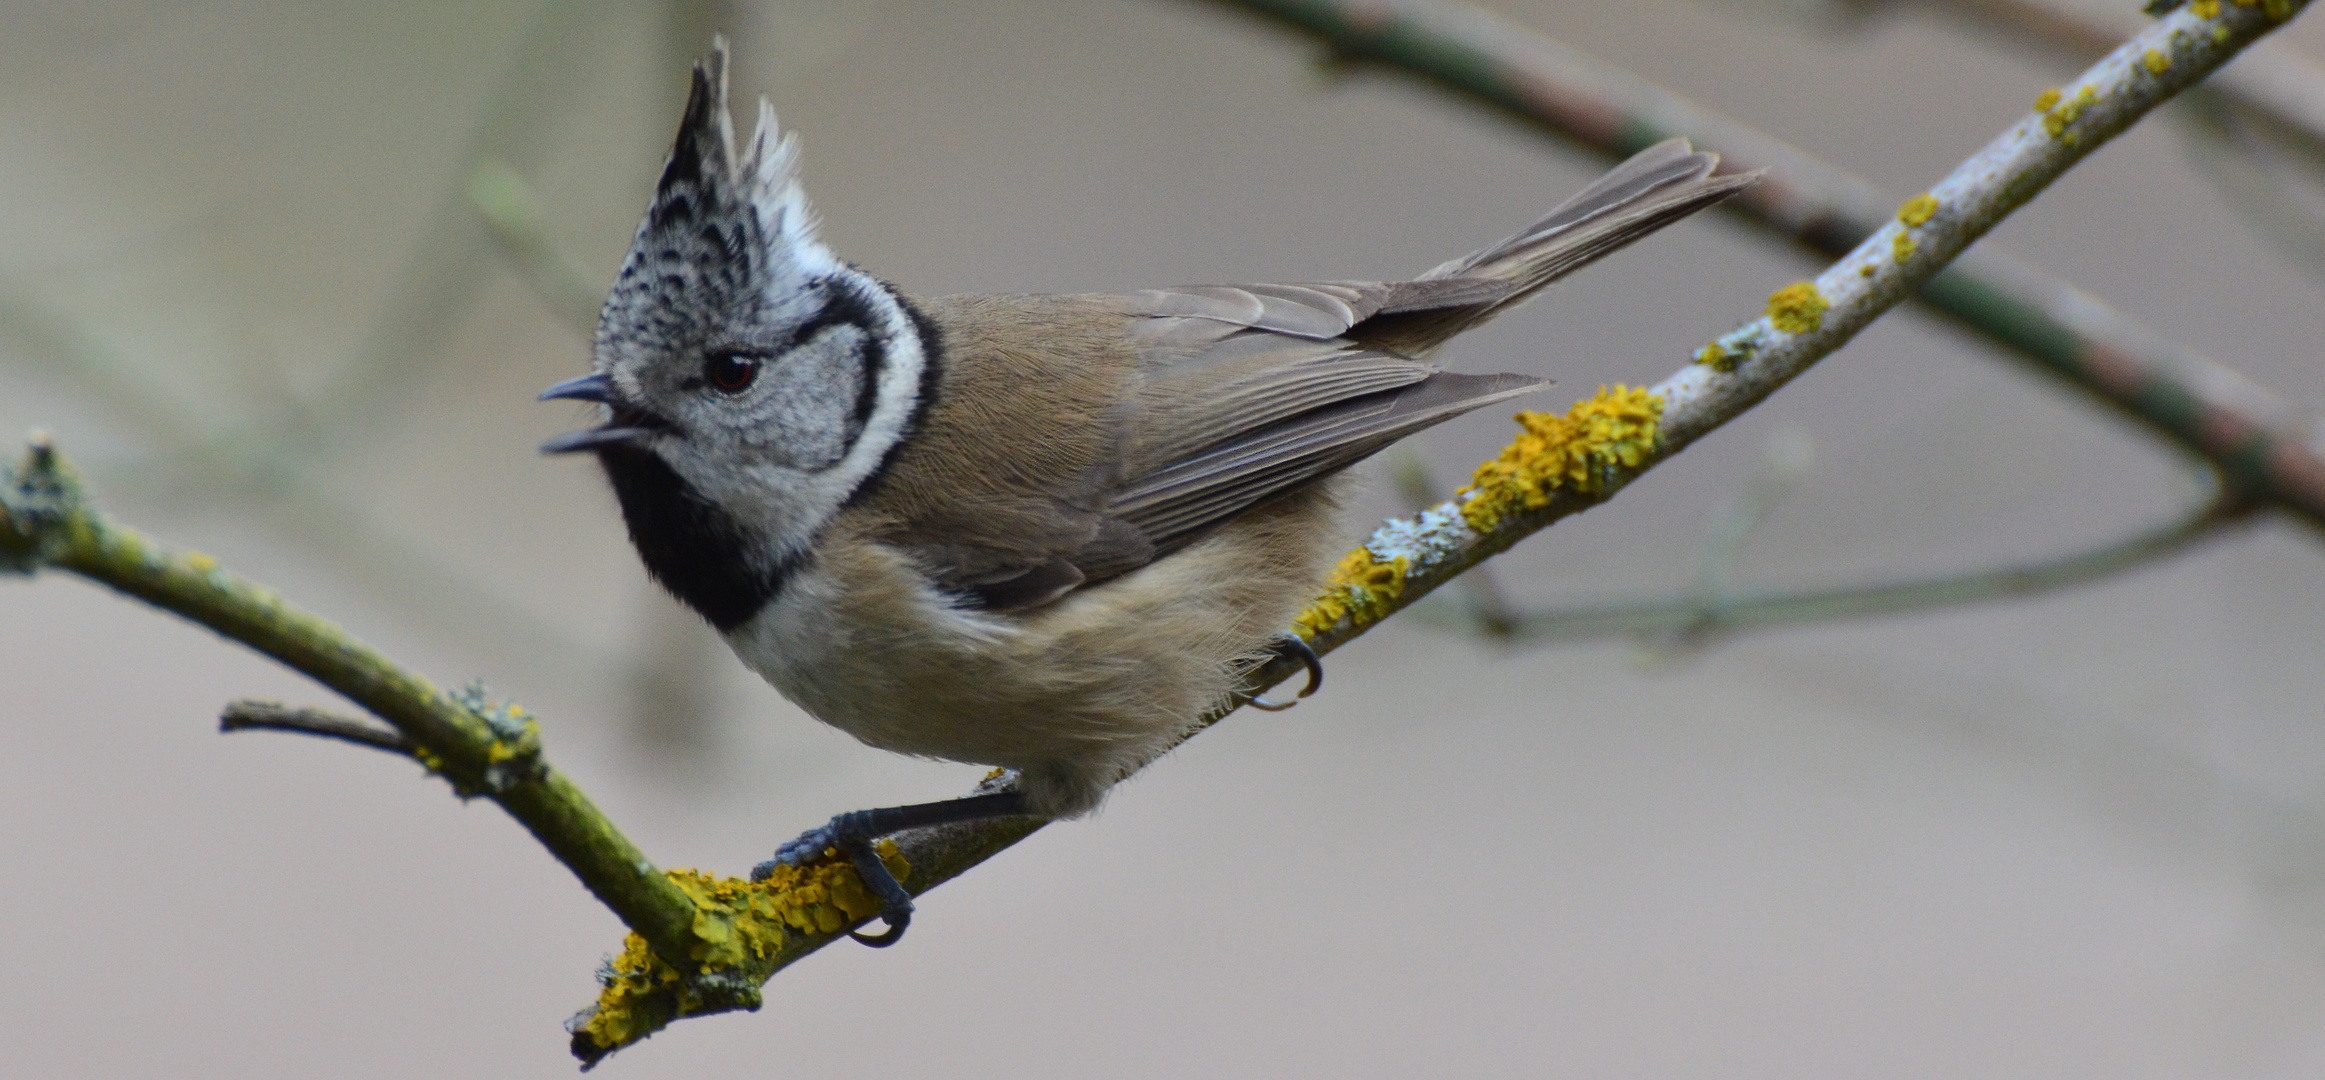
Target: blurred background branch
x: 2260, y: 441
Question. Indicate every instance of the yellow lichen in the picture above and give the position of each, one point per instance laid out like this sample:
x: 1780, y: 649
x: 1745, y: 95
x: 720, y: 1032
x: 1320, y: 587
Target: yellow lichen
x: 1712, y: 356
x: 1902, y: 246
x: 1359, y: 590
x: 1797, y: 308
x: 1917, y: 210
x: 525, y: 742
x: 2056, y: 120
x: 2206, y: 9
x: 2045, y: 100
x: 1617, y: 428
x: 2279, y: 10
x: 740, y: 927
x: 2155, y: 61
x: 2220, y: 35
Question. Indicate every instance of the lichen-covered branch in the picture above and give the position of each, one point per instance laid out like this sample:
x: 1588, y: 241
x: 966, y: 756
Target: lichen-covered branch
x: 1565, y: 464
x: 2273, y: 80
x: 2259, y: 440
x: 483, y: 750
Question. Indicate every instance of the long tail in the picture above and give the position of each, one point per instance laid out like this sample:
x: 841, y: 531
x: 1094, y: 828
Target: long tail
x: 1657, y: 186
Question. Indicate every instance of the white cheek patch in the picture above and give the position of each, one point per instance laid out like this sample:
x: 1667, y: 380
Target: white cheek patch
x: 810, y: 397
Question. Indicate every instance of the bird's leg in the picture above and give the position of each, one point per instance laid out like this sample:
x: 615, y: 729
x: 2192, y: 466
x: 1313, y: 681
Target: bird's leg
x: 1297, y: 647
x: 852, y: 834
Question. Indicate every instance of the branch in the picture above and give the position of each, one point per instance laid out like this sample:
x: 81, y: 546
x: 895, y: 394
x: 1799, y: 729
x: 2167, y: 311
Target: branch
x: 250, y: 715
x: 1712, y: 609
x: 705, y: 945
x: 1564, y: 465
x: 1693, y: 620
x: 2259, y: 441
x: 2271, y: 79
x: 2256, y: 122
x: 481, y: 750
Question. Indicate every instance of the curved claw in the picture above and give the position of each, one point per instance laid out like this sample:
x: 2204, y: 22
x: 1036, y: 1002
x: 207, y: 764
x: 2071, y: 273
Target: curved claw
x: 895, y: 932
x: 853, y: 836
x: 1294, y: 645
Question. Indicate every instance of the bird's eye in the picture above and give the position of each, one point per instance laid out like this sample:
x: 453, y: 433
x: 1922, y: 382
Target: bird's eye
x: 730, y: 372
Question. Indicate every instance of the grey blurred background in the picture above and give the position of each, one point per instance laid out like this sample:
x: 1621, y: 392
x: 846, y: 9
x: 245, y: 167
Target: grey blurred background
x: 2077, y: 836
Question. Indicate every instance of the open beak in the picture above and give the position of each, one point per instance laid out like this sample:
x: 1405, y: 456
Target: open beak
x: 590, y: 387
x: 593, y: 387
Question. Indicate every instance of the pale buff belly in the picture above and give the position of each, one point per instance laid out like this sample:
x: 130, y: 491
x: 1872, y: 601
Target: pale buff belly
x: 1076, y: 694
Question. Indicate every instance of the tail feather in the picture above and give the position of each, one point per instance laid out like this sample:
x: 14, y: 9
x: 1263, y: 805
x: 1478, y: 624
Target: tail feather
x: 1655, y: 187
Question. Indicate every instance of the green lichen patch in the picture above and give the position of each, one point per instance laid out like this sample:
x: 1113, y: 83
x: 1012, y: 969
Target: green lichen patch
x: 39, y: 499
x: 1580, y: 450
x: 741, y: 930
x: 2155, y: 61
x: 514, y: 755
x: 1902, y: 246
x: 1797, y: 308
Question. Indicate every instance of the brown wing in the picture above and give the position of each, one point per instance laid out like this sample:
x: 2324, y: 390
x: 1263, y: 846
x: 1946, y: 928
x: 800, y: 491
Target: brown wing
x: 1075, y: 438
x: 1108, y: 437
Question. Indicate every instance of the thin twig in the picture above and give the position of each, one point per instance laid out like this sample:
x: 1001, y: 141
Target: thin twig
x: 2260, y: 441
x: 1782, y: 466
x: 1694, y: 620
x: 516, y: 128
x: 251, y: 715
x: 512, y: 213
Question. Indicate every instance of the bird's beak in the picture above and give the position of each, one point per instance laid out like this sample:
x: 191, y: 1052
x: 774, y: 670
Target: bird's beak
x: 591, y: 387
x: 593, y: 438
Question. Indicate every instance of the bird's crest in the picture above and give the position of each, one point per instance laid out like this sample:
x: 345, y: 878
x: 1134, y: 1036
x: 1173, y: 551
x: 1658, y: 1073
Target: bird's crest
x: 707, y: 184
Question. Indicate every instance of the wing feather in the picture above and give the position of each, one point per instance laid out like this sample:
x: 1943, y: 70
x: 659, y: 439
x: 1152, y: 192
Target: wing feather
x: 1167, y: 412
x: 1176, y: 504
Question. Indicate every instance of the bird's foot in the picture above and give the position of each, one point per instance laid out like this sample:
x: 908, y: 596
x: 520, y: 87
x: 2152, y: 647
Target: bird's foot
x: 851, y: 835
x: 1297, y: 647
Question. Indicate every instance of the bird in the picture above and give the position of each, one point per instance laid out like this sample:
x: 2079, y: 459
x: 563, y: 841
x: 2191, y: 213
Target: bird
x: 1048, y: 533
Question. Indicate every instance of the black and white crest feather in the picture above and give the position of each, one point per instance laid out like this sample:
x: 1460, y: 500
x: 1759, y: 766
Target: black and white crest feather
x: 727, y: 264
x: 722, y: 224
